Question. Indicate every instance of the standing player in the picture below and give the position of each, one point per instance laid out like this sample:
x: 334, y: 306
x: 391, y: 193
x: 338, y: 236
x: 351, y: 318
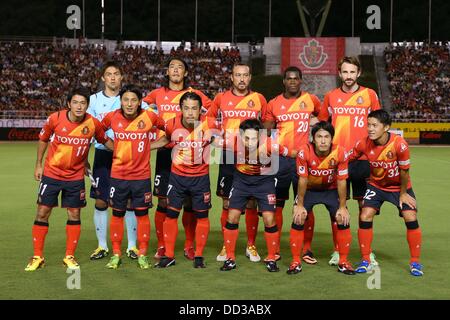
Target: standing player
x: 166, y: 100
x: 323, y: 170
x: 253, y: 178
x: 100, y: 104
x: 189, y: 177
x: 69, y: 133
x: 389, y: 181
x: 291, y: 113
x: 234, y: 106
x: 348, y: 107
x: 130, y: 171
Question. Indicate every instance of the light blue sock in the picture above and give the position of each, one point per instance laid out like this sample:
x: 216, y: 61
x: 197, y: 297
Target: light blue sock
x: 101, y: 227
x: 131, y: 222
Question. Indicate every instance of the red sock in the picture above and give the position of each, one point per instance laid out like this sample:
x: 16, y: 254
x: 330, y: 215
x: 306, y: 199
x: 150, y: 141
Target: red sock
x: 309, y: 232
x: 230, y: 238
x: 414, y: 237
x: 170, y: 235
x: 73, y: 230
x: 143, y: 233
x: 189, y: 222
x: 344, y: 239
x: 365, y: 237
x: 201, y: 236
x: 272, y: 244
x: 38, y: 232
x: 116, y: 233
x: 251, y: 224
x: 159, y: 221
x: 334, y: 229
x: 279, y: 221
x: 223, y: 218
x: 296, y: 242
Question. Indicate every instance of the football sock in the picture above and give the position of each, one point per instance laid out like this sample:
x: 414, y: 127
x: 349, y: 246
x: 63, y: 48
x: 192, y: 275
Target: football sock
x: 39, y: 232
x: 230, y: 234
x: 143, y: 233
x: 131, y: 223
x: 296, y: 241
x: 160, y: 216
x: 201, y: 235
x: 365, y: 236
x: 116, y: 233
x: 251, y: 224
x: 73, y: 230
x: 309, y: 232
x: 189, y: 223
x: 170, y: 235
x: 271, y: 236
x: 334, y: 229
x: 279, y: 221
x: 414, y: 237
x: 101, y: 226
x: 344, y: 239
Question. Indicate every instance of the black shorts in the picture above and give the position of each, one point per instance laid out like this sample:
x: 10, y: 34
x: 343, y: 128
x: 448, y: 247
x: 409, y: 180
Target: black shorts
x: 375, y: 197
x: 260, y: 188
x: 226, y: 172
x: 329, y: 198
x: 358, y: 174
x: 73, y: 193
x: 286, y: 176
x: 138, y: 191
x: 101, y: 172
x: 198, y: 188
x: 162, y: 172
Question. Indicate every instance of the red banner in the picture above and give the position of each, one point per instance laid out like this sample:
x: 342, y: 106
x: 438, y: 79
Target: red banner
x: 19, y: 134
x: 312, y: 55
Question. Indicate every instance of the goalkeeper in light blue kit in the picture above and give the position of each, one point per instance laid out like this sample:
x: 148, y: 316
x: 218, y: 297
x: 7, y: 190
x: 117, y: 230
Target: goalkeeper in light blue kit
x: 100, y: 104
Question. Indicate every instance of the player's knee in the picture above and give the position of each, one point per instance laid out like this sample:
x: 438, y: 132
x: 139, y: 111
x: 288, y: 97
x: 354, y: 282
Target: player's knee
x: 43, y: 213
x: 173, y: 214
x: 140, y: 212
x: 225, y: 204
x: 269, y: 219
x: 201, y: 214
x: 118, y: 213
x: 101, y: 205
x: 73, y: 213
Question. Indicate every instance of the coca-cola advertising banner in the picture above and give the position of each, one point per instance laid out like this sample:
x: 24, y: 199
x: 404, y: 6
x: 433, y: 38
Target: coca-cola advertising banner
x: 312, y: 55
x: 19, y: 134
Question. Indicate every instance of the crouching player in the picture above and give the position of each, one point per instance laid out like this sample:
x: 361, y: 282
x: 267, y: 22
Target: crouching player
x: 323, y: 170
x: 389, y: 180
x: 130, y: 171
x: 69, y: 133
x: 253, y: 178
x: 189, y: 177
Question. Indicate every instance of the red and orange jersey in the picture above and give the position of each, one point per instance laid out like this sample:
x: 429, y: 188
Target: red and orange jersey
x: 348, y: 112
x: 291, y: 117
x: 131, y: 157
x: 69, y: 144
x: 233, y: 110
x: 167, y: 102
x: 385, y: 161
x: 258, y: 162
x: 190, y: 148
x: 322, y: 172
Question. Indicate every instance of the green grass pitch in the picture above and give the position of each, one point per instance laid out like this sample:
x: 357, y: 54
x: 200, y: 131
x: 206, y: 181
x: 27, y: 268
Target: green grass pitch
x: 430, y: 173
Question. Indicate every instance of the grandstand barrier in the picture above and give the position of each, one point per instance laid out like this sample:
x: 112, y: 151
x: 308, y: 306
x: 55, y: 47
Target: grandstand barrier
x: 412, y: 130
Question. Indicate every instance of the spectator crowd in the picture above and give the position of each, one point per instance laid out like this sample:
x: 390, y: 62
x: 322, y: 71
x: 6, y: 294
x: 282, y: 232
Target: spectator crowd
x: 419, y: 82
x: 35, y: 78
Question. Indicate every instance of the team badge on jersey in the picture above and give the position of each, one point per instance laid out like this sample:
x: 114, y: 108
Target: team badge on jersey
x: 302, y: 105
x: 141, y: 125
x: 360, y: 100
x: 390, y: 155
x: 85, y: 131
x: 272, y: 199
x: 250, y: 104
x: 332, y: 162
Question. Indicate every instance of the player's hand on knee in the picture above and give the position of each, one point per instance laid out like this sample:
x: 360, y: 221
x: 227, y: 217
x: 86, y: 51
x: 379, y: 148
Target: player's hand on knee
x: 343, y: 216
x: 299, y: 214
x: 408, y: 200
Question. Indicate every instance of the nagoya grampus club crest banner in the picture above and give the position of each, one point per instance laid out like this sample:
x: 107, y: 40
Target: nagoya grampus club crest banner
x: 312, y: 55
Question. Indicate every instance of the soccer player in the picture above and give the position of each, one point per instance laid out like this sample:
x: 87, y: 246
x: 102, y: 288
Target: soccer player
x: 189, y: 177
x: 253, y: 178
x: 323, y: 170
x: 69, y: 133
x: 388, y: 155
x: 166, y: 101
x: 232, y: 107
x: 291, y: 113
x: 348, y: 107
x: 100, y: 104
x: 130, y: 171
